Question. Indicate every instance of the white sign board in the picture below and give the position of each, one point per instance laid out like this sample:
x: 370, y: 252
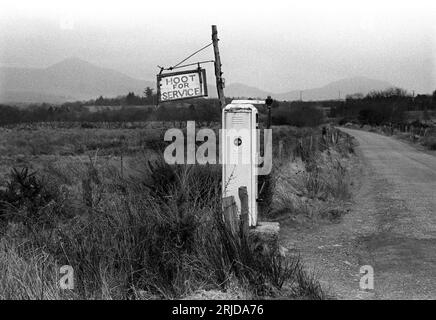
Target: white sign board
x: 182, y: 85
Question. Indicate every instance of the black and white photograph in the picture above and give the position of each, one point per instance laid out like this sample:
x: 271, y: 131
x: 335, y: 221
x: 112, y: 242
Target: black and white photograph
x: 217, y: 158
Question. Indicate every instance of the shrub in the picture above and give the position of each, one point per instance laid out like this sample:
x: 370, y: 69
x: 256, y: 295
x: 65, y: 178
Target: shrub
x: 299, y: 116
x: 430, y: 142
x: 30, y: 196
x: 169, y: 244
x: 160, y: 234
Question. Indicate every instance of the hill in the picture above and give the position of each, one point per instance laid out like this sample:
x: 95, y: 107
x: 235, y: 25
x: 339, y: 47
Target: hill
x: 68, y: 80
x: 328, y: 92
x: 337, y: 88
x: 74, y: 79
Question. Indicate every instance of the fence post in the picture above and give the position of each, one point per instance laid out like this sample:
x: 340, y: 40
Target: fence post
x: 280, y: 148
x: 230, y: 213
x: 292, y: 153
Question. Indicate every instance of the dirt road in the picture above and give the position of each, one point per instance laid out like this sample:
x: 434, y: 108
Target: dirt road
x: 391, y: 226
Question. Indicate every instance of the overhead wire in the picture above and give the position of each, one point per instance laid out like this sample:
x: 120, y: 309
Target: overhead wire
x: 176, y: 66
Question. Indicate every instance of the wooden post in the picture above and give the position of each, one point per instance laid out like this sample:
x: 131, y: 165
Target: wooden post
x: 230, y: 213
x: 243, y: 197
x: 280, y: 148
x: 218, y: 72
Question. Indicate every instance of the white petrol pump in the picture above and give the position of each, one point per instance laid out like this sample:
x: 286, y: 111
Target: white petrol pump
x: 240, y: 152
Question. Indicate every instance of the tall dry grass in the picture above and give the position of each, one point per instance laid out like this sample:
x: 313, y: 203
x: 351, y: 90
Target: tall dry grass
x: 157, y: 232
x: 313, y: 175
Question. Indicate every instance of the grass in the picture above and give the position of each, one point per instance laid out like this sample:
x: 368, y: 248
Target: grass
x: 429, y: 142
x: 426, y: 137
x: 154, y: 232
x: 315, y: 184
x: 27, y: 274
x: 76, y: 141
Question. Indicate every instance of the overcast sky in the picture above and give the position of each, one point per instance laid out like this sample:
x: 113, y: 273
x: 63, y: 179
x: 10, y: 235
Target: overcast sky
x: 274, y: 45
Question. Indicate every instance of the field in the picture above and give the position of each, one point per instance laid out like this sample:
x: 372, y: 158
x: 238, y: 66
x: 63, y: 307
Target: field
x: 102, y: 200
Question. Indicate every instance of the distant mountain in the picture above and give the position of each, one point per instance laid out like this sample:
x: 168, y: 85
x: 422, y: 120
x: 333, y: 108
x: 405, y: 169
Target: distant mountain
x: 239, y: 90
x: 74, y: 79
x: 330, y: 91
x: 68, y: 80
x: 335, y: 89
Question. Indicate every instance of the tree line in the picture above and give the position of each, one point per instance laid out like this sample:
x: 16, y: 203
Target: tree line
x: 383, y: 107
x: 375, y: 108
x: 130, y: 108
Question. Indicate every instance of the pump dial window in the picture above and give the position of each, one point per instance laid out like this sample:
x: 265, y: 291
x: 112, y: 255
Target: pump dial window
x: 238, y: 141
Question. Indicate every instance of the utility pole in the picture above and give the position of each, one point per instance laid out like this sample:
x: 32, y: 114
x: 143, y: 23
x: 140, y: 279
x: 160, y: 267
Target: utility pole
x: 218, y: 72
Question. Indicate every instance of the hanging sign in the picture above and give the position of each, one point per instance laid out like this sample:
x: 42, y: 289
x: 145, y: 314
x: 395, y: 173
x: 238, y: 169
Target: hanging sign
x: 182, y: 85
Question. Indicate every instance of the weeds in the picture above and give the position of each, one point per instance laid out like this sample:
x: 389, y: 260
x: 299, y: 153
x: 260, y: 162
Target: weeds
x: 158, y: 238
x: 429, y: 142
x: 317, y: 178
x: 27, y: 273
x: 154, y: 232
x: 28, y: 199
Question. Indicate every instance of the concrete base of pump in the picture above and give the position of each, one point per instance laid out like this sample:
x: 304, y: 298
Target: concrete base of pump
x: 264, y: 238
